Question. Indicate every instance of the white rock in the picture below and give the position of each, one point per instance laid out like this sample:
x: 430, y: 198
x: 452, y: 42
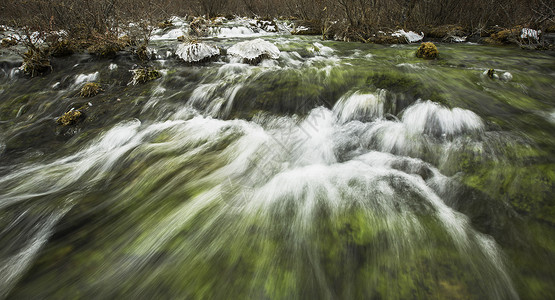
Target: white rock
x: 254, y: 50
x: 196, y: 52
x: 86, y: 78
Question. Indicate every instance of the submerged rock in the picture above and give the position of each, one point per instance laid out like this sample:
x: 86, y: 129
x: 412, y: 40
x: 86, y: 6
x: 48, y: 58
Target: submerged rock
x: 254, y: 51
x: 427, y: 51
x: 195, y: 52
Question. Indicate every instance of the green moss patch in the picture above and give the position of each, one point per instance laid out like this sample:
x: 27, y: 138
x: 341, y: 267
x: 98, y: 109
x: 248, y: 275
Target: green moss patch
x: 427, y: 51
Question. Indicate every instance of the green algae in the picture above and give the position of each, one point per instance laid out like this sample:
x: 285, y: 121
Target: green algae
x: 116, y: 216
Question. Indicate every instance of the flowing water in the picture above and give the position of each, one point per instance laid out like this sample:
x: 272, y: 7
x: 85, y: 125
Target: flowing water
x: 338, y: 171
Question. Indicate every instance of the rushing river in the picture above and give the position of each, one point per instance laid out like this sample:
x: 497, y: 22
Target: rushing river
x: 338, y: 171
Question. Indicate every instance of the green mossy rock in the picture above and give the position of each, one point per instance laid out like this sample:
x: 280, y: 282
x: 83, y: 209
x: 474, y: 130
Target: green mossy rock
x: 427, y: 51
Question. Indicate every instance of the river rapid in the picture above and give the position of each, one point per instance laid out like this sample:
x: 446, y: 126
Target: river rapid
x: 336, y: 171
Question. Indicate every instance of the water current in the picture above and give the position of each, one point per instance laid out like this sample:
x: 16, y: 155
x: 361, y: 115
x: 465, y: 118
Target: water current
x: 336, y: 171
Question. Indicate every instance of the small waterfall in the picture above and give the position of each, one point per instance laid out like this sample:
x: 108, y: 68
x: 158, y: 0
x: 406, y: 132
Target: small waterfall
x: 431, y: 118
x: 362, y: 107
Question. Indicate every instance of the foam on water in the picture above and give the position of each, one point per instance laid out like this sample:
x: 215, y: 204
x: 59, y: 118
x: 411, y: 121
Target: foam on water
x: 86, y: 78
x: 172, y: 34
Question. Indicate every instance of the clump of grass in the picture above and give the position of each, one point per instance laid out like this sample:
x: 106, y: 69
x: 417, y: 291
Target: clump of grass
x: 62, y: 48
x: 71, y: 117
x: 35, y: 62
x: 427, y: 51
x: 90, y: 89
x: 8, y: 42
x: 107, y: 45
x: 143, y: 75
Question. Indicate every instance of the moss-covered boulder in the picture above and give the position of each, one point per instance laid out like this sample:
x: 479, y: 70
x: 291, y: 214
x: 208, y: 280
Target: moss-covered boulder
x: 143, y: 75
x: 427, y: 51
x: 71, y: 117
x: 90, y: 89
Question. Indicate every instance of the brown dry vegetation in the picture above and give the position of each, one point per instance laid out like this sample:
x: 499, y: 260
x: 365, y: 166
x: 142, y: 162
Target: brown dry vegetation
x: 96, y: 24
x: 86, y: 16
